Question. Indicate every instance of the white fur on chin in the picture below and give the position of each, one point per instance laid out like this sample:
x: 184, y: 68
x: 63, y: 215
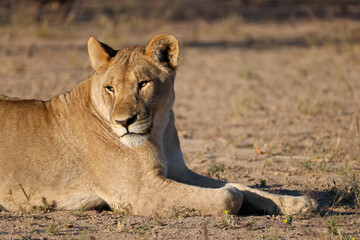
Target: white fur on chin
x: 132, y: 140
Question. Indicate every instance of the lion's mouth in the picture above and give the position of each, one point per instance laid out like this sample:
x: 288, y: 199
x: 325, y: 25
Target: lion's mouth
x: 137, y: 134
x: 132, y: 139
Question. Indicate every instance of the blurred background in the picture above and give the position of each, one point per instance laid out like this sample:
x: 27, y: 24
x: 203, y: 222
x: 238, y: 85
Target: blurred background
x: 31, y: 11
x: 109, y: 18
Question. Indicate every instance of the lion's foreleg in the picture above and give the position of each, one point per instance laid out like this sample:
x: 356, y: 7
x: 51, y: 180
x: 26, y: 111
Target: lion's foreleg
x: 162, y: 196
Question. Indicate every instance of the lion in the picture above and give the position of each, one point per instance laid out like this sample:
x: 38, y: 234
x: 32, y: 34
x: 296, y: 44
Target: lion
x: 112, y: 140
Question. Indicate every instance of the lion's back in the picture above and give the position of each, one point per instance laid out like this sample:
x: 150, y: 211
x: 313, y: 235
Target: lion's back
x: 24, y: 127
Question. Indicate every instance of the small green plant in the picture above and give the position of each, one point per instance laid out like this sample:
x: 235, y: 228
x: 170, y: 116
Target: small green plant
x: 345, y: 171
x: 332, y: 225
x: 81, y: 212
x: 262, y: 183
x: 54, y: 227
x: 121, y: 225
x: 20, y: 205
x: 46, y: 207
x: 227, y: 221
x: 288, y: 220
x: 215, y: 169
x: 23, y: 190
x: 322, y: 166
x: 13, y: 201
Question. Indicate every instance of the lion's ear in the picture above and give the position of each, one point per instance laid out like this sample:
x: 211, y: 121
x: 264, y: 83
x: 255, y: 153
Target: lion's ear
x: 164, y: 48
x: 100, y: 54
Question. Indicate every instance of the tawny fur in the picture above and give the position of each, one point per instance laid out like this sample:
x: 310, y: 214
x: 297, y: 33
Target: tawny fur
x: 74, y: 150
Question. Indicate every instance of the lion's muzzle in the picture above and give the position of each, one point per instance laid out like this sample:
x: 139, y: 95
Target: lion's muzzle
x: 133, y: 131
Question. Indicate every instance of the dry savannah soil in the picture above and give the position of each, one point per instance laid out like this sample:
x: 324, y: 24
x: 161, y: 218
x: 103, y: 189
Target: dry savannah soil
x: 271, y: 105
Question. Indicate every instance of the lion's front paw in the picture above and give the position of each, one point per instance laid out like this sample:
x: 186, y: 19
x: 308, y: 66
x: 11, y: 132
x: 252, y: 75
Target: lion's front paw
x: 289, y: 205
x: 229, y: 199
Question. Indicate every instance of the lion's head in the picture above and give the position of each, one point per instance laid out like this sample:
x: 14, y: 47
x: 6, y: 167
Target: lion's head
x: 131, y: 85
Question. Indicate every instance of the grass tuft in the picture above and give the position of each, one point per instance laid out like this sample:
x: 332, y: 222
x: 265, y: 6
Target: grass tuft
x: 54, y: 227
x: 332, y: 225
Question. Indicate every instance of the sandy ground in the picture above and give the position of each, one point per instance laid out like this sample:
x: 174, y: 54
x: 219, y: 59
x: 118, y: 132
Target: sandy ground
x: 274, y: 106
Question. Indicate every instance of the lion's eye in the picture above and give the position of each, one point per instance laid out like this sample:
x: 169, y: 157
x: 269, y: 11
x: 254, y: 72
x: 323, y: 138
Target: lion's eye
x: 109, y: 89
x: 143, y: 84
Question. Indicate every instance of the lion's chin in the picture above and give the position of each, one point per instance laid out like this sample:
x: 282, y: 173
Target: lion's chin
x: 133, y: 140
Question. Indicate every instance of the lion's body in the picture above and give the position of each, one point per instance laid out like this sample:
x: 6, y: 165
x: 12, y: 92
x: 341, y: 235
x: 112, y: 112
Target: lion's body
x: 40, y: 141
x: 112, y: 140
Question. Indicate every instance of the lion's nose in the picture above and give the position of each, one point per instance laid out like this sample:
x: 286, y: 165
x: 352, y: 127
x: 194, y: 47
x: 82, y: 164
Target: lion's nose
x: 126, y: 123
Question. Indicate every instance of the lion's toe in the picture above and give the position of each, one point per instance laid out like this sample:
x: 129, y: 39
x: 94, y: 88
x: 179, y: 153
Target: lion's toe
x: 297, y: 205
